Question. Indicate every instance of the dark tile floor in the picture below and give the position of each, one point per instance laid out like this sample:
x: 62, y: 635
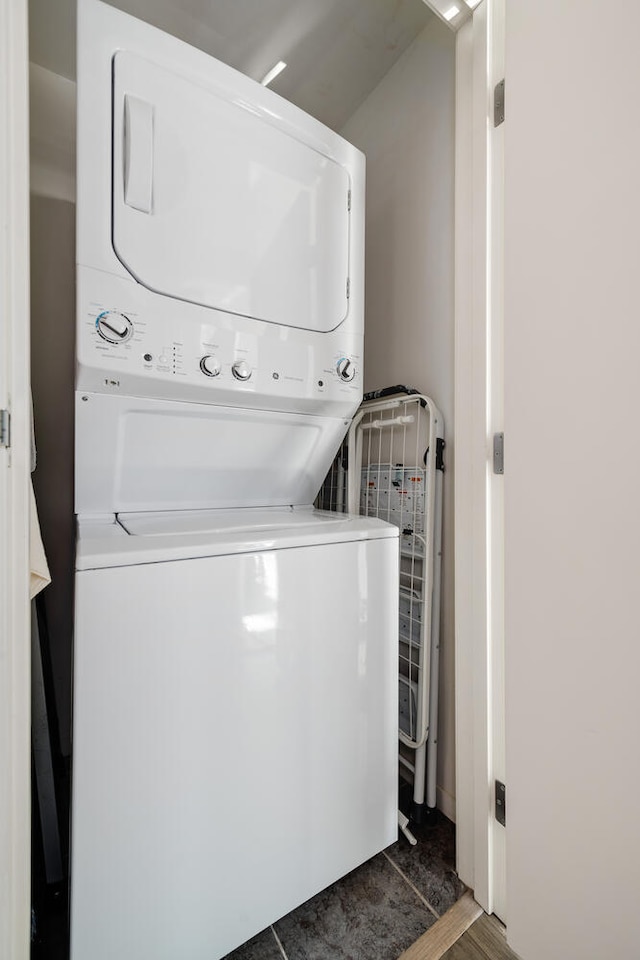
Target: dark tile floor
x: 375, y: 912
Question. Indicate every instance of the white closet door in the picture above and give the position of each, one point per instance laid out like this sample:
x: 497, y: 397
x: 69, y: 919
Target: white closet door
x: 572, y: 478
x: 214, y: 204
x: 15, y: 620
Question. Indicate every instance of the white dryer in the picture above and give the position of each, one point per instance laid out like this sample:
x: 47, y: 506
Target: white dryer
x: 235, y: 693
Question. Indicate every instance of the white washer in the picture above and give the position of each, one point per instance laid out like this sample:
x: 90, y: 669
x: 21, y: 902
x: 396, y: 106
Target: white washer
x: 234, y: 724
x: 235, y: 688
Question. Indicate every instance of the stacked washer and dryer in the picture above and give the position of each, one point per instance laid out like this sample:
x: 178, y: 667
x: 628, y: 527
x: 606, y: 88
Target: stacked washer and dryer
x: 235, y: 684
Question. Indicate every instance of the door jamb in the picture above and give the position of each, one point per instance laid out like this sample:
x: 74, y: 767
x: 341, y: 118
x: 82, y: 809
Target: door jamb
x: 478, y: 493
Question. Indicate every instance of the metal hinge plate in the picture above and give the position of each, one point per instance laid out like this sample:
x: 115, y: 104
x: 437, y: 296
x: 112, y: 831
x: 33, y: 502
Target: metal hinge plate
x: 5, y: 428
x: 498, y: 453
x: 348, y: 288
x: 349, y: 201
x: 501, y: 803
x: 498, y: 104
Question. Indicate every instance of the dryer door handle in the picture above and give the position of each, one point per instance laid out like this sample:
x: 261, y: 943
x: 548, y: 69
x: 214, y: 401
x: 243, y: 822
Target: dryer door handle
x: 137, y: 157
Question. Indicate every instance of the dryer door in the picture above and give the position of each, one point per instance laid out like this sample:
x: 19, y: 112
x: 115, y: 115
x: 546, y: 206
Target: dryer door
x: 215, y: 204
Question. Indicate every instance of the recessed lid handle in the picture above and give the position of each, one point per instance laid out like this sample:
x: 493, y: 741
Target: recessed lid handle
x: 138, y: 153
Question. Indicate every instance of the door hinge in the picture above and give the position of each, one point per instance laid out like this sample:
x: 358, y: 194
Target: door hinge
x: 5, y: 428
x: 349, y: 201
x: 498, y: 104
x: 348, y: 288
x: 498, y: 453
x: 501, y: 803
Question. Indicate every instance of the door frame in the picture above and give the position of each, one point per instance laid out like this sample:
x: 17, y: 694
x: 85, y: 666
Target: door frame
x: 479, y: 725
x: 479, y: 541
x: 15, y: 656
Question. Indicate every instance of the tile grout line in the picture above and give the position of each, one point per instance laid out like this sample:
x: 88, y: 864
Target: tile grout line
x: 279, y: 942
x: 412, y: 885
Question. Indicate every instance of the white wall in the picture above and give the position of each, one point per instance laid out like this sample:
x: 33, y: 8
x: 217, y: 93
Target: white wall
x: 406, y: 129
x: 52, y: 118
x: 572, y: 479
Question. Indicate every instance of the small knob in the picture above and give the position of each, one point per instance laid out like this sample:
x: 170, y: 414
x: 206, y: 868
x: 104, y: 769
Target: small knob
x: 345, y: 369
x: 114, y: 327
x: 210, y: 365
x: 241, y: 370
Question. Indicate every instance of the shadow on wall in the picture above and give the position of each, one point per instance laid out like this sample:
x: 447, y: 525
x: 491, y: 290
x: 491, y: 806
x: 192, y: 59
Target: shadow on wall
x: 52, y: 376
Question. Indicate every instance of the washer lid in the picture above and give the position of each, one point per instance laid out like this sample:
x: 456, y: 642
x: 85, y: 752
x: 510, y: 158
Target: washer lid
x: 215, y: 203
x: 135, y: 454
x: 253, y: 522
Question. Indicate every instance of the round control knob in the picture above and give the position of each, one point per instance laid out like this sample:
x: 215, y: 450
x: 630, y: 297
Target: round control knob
x: 114, y: 327
x: 241, y: 370
x: 210, y: 365
x: 345, y: 369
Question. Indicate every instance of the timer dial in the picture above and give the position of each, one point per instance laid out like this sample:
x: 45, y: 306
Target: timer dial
x: 114, y: 327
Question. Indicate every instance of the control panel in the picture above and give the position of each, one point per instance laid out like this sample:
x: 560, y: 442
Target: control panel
x: 166, y: 349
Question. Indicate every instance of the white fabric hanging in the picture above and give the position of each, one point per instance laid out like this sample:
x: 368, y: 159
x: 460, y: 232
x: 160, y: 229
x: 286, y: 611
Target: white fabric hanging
x: 40, y: 576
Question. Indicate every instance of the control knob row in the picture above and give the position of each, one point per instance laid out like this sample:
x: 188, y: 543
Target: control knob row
x: 211, y: 367
x: 117, y: 328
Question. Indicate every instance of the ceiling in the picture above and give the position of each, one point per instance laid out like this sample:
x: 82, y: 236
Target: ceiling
x: 336, y: 51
